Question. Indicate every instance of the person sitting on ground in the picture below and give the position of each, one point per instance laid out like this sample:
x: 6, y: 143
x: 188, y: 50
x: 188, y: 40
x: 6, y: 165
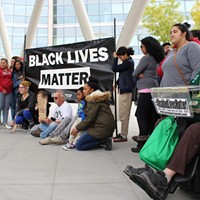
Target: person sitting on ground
x: 25, y: 106
x: 99, y: 124
x: 62, y: 110
x: 35, y: 130
x: 61, y: 134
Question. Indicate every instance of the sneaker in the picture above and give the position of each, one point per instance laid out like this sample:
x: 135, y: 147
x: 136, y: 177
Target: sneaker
x: 140, y: 138
x: 45, y: 141
x: 36, y: 133
x: 7, y: 126
x: 129, y: 170
x: 107, y: 144
x: 138, y: 148
x: 31, y: 124
x: 57, y: 140
x: 68, y: 147
x: 118, y: 135
x: 24, y: 126
x: 154, y: 184
x: 120, y: 138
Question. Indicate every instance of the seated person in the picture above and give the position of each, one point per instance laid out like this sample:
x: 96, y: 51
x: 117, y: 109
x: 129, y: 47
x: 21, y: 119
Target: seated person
x: 99, y: 123
x: 156, y: 183
x: 25, y: 106
x: 62, y: 110
x: 61, y: 133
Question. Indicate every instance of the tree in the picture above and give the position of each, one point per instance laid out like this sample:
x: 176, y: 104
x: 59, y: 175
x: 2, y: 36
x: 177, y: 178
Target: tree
x: 159, y: 17
x: 195, y: 13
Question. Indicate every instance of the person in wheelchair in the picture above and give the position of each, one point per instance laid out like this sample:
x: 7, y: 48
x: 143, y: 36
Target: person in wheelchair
x: 180, y: 67
x: 155, y: 183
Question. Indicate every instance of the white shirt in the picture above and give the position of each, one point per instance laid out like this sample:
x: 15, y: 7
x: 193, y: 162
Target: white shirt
x: 65, y: 110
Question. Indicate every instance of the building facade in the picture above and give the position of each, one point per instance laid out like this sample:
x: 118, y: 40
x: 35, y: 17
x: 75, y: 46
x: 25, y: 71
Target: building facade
x: 58, y: 22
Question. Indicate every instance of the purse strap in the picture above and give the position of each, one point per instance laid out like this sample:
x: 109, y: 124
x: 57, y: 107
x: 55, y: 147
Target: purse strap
x: 179, y: 70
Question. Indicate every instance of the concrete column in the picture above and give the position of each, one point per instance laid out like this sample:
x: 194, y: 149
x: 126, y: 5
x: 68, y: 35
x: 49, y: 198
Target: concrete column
x: 131, y: 22
x: 50, y: 24
x: 4, y: 36
x: 33, y: 22
x: 83, y: 19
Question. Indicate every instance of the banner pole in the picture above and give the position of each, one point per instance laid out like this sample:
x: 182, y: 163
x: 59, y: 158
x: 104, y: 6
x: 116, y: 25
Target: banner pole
x: 24, y: 53
x: 115, y: 82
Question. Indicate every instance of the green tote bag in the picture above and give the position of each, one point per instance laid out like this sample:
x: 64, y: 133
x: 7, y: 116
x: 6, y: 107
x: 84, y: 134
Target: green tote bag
x: 161, y: 144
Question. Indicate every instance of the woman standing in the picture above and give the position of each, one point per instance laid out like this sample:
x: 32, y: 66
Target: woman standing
x: 125, y: 84
x: 25, y: 105
x: 145, y: 73
x: 17, y: 78
x: 5, y: 89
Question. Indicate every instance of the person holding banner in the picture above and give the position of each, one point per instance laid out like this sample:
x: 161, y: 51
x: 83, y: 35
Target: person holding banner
x: 186, y: 56
x: 125, y: 87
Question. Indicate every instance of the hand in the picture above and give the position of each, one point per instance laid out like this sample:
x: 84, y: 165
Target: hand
x: 141, y: 75
x: 114, y: 55
x: 4, y: 91
x: 74, y: 132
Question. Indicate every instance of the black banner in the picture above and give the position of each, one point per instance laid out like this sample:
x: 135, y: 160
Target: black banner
x: 68, y: 67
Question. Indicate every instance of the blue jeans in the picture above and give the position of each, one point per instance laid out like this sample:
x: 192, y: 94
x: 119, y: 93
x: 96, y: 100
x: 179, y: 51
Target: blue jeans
x: 26, y: 116
x: 5, y: 100
x: 47, y: 129
x: 87, y: 142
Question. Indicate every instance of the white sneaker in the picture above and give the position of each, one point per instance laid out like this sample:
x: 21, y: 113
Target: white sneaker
x: 68, y: 147
x: 7, y: 126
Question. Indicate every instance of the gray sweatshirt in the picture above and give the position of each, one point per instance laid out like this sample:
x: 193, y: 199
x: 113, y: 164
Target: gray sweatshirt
x: 187, y: 59
x: 147, y: 66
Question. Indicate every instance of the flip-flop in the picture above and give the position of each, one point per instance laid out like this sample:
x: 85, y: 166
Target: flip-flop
x: 141, y: 182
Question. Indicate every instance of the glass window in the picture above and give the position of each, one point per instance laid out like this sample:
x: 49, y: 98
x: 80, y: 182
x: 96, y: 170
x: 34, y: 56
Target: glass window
x: 42, y: 32
x: 7, y: 8
x: 18, y: 31
x: 105, y: 8
x: 119, y: 18
x: 29, y: 10
x: 94, y: 18
x: 69, y: 40
x: 127, y: 7
x: 117, y: 8
x: 69, y: 10
x: 8, y: 18
x: 20, y: 1
x: 19, y: 19
x: 60, y: 10
x: 106, y: 31
x: 17, y: 41
x: 92, y: 9
x: 44, y: 11
x: 19, y: 10
x: 43, y: 20
x: 69, y: 31
x: 71, y: 19
x: 42, y: 41
x: 105, y: 18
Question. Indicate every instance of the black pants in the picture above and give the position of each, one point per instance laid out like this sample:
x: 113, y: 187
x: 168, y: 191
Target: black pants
x: 146, y: 114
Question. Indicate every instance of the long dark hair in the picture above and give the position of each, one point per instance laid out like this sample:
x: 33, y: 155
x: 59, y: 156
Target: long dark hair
x: 22, y: 66
x: 153, y: 48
